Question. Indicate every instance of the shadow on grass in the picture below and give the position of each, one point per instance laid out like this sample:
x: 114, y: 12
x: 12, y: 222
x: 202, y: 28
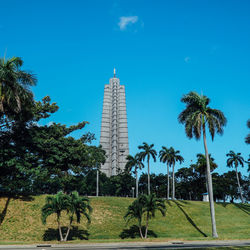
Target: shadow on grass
x: 75, y: 233
x: 184, y: 202
x: 169, y: 203
x: 189, y: 219
x: 245, y: 208
x: 133, y: 232
x: 23, y: 198
x: 224, y: 204
x: 4, y: 212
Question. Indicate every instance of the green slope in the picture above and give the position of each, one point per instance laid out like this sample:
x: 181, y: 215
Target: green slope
x: 20, y: 221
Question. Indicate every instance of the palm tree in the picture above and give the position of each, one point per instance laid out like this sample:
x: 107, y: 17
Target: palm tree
x: 148, y: 204
x: 14, y: 86
x: 55, y: 205
x: 172, y: 159
x: 151, y: 205
x: 135, y: 211
x: 147, y: 151
x: 164, y: 157
x: 77, y: 206
x: 195, y: 117
x: 234, y: 160
x: 136, y: 163
x: 247, y: 140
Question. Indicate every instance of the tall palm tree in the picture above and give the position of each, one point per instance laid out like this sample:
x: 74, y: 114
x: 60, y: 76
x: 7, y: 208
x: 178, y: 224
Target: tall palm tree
x: 147, y: 152
x: 247, y: 140
x: 164, y: 157
x: 55, y: 205
x: 78, y: 206
x: 172, y: 159
x: 233, y: 161
x: 136, y: 163
x: 196, y: 117
x: 14, y: 86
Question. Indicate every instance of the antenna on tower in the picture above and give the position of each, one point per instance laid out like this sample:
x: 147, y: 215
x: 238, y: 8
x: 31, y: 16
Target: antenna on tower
x: 114, y: 72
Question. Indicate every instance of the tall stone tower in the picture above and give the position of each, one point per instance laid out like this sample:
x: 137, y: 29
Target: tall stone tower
x: 114, y: 130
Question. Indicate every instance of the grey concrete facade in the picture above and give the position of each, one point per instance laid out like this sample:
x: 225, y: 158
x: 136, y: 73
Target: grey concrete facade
x: 114, y: 129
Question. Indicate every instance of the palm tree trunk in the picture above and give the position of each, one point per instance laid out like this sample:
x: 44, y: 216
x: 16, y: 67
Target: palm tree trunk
x: 136, y: 184
x: 173, y: 189
x: 97, y: 183
x: 168, y: 182
x: 146, y: 230
x: 59, y: 229
x: 210, y: 186
x: 238, y: 181
x: 206, y: 182
x: 67, y: 234
x: 148, y: 178
x: 140, y: 230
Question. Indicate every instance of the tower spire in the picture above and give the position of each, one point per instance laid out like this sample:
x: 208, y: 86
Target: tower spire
x: 114, y: 72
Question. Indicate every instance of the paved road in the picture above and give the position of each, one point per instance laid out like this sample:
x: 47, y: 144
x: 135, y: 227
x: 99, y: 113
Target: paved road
x: 133, y: 245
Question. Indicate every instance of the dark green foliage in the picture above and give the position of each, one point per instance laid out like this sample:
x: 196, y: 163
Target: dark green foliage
x: 145, y: 205
x: 73, y: 204
x: 15, y: 94
x: 146, y: 152
x: 234, y: 160
x: 197, y: 113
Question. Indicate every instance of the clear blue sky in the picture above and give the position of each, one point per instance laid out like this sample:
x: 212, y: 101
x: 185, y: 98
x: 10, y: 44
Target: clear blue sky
x: 161, y: 49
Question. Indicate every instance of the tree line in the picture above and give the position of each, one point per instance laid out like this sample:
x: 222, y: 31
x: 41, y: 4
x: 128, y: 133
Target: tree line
x: 36, y: 159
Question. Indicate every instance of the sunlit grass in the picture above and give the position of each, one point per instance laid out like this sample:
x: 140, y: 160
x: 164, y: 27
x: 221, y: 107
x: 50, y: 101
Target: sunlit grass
x: 185, y: 220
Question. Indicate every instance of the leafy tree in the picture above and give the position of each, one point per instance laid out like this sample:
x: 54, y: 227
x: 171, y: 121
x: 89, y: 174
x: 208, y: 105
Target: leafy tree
x: 164, y: 157
x: 18, y: 165
x: 195, y: 117
x: 229, y: 183
x: 233, y: 161
x: 247, y: 140
x: 121, y: 184
x: 189, y: 184
x: 201, y: 165
x: 55, y: 205
x: 146, y: 153
x: 136, y: 163
x: 148, y: 205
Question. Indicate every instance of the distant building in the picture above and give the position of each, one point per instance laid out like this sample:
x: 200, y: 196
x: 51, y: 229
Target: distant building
x: 114, y: 129
x: 205, y: 197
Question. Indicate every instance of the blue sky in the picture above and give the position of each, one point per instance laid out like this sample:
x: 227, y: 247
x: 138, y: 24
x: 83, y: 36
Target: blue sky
x: 161, y: 49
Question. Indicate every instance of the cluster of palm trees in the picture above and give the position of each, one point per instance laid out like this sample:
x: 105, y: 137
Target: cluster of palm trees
x: 196, y: 117
x: 167, y: 155
x: 145, y: 205
x: 73, y: 204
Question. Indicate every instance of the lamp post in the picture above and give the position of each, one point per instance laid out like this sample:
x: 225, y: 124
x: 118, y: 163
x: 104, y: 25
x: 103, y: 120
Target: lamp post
x: 133, y: 191
x: 97, y: 181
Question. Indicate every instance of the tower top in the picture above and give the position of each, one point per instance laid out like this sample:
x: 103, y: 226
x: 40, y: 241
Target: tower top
x: 114, y: 72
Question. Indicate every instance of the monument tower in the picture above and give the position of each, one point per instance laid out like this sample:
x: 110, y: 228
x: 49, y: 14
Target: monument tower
x: 114, y: 130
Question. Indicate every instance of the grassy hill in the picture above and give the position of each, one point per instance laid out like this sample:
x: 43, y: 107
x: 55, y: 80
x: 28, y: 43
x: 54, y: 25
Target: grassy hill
x: 20, y: 221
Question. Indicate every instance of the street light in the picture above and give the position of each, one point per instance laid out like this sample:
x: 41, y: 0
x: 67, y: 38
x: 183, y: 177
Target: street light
x: 133, y: 191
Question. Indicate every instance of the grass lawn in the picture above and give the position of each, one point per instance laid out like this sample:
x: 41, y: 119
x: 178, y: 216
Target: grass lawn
x: 20, y: 221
